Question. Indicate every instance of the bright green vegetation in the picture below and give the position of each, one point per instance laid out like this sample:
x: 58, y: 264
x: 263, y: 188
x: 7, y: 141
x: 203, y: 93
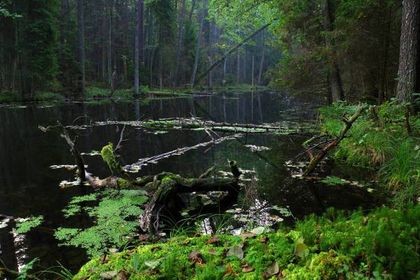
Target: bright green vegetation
x: 381, y: 140
x: 110, y: 159
x: 25, y: 225
x: 114, y: 213
x: 381, y: 245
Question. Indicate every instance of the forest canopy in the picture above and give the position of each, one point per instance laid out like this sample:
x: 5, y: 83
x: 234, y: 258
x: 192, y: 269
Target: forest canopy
x: 333, y: 49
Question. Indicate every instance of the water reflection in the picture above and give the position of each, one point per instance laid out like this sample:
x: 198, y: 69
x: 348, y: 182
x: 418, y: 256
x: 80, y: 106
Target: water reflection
x: 28, y: 187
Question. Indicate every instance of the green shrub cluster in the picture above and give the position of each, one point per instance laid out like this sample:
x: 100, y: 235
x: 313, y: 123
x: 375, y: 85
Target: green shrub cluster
x: 382, y: 245
x: 380, y: 139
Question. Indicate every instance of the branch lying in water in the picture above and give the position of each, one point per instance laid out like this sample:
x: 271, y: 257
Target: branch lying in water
x: 135, y: 167
x: 315, y: 160
x: 285, y: 127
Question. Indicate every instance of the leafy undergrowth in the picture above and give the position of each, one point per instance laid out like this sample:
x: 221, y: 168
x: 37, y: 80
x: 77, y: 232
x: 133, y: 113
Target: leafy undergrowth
x: 381, y: 139
x: 382, y: 245
x: 114, y: 217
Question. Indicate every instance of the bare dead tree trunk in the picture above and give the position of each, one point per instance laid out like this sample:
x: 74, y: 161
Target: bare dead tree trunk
x: 233, y: 50
x: 409, y: 47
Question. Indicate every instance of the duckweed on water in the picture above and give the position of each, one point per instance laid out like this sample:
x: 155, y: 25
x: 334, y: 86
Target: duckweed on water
x: 384, y: 244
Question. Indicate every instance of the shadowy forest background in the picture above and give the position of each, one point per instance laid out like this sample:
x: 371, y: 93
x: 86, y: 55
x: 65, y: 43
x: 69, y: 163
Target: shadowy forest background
x: 333, y: 49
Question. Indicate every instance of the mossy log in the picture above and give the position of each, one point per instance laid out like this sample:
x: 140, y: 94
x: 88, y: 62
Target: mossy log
x: 168, y: 197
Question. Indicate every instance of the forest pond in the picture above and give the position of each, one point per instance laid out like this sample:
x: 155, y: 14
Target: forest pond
x: 29, y: 187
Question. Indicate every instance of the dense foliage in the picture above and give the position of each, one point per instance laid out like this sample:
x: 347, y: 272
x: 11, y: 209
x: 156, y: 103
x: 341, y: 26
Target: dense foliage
x: 381, y: 245
x: 385, y: 138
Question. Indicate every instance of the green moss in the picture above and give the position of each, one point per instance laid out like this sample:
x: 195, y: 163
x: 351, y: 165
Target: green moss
x: 380, y: 245
x: 108, y: 156
x: 123, y: 183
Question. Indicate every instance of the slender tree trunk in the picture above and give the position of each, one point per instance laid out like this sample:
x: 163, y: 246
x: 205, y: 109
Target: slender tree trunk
x: 220, y: 60
x: 253, y: 71
x: 387, y: 40
x: 409, y: 51
x: 104, y: 43
x: 193, y: 2
x: 336, y: 83
x: 260, y: 73
x: 238, y: 67
x: 137, y: 49
x: 244, y: 67
x: 111, y: 7
x: 224, y: 72
x: 81, y: 35
x: 198, y: 44
x: 141, y: 30
x: 179, y: 47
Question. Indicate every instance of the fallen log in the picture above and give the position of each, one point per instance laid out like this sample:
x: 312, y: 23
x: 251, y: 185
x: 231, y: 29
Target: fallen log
x: 288, y: 127
x: 315, y: 160
x: 168, y: 199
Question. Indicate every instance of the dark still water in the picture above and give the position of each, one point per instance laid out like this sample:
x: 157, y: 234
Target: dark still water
x: 28, y: 187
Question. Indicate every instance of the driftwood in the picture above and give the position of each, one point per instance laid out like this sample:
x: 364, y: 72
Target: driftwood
x: 196, y: 123
x: 316, y: 159
x: 135, y: 167
x: 168, y: 199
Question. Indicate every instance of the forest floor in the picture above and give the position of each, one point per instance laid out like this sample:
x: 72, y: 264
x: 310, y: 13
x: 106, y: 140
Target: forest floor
x: 382, y: 244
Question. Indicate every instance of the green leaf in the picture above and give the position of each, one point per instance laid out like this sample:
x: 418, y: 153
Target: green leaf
x: 27, y: 224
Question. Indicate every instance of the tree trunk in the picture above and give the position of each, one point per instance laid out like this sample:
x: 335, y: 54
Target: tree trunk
x: 238, y: 67
x: 111, y: 7
x: 261, y: 66
x: 335, y: 81
x: 409, y: 48
x: 224, y: 72
x: 81, y: 35
x: 193, y: 2
x: 198, y: 44
x: 253, y: 71
x: 137, y: 48
x: 220, y: 60
x: 179, y: 47
x: 387, y: 39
